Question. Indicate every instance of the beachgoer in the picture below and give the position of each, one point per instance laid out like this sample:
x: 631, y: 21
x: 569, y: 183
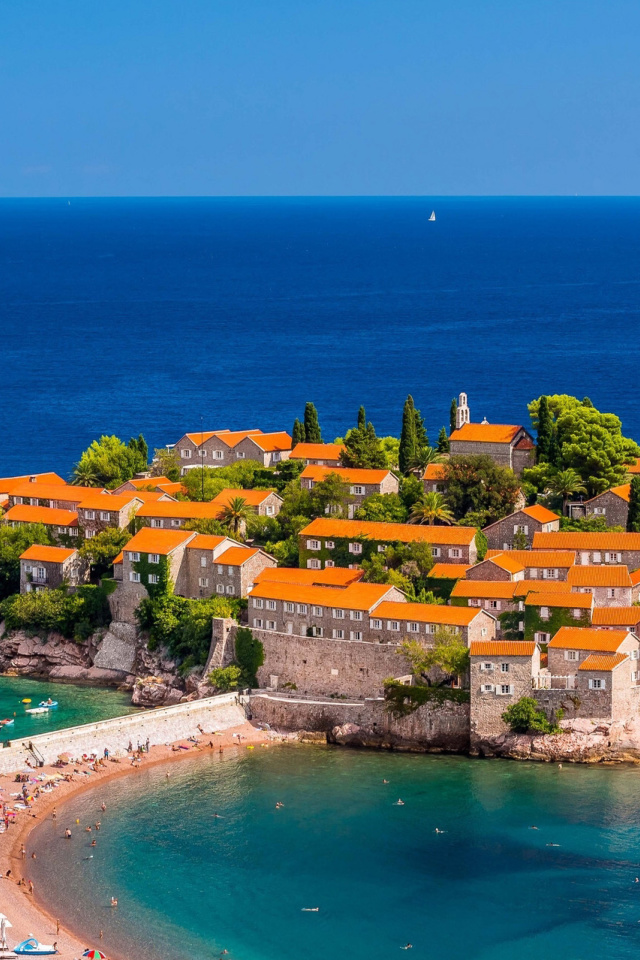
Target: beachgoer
x: 148, y: 744
x: 385, y: 781
x: 97, y: 824
x: 87, y: 829
x: 103, y: 807
x: 114, y: 902
x: 93, y: 843
x: 23, y: 852
x: 130, y: 747
x: 67, y: 834
x: 399, y: 803
x: 54, y: 815
x: 57, y: 926
x: 407, y: 946
x: 33, y: 856
x: 101, y: 934
x: 55, y: 944
x: 30, y: 886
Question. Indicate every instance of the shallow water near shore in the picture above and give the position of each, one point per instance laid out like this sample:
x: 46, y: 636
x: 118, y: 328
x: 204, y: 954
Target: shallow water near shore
x: 76, y: 705
x: 190, y: 884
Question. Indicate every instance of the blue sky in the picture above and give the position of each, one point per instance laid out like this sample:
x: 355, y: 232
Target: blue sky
x: 319, y: 97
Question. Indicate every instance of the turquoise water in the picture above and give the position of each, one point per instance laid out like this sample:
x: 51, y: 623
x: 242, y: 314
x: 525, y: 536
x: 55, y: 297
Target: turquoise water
x: 76, y: 704
x: 489, y: 888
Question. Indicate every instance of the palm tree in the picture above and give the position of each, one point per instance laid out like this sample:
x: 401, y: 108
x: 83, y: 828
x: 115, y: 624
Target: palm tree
x: 433, y: 507
x: 423, y: 457
x: 235, y: 513
x: 567, y: 483
x: 84, y: 476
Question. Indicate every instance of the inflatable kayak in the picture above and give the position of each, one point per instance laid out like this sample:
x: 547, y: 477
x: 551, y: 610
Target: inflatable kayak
x: 48, y: 704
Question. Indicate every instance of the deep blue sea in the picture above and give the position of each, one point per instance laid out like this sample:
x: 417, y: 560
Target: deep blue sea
x: 490, y: 887
x: 122, y: 316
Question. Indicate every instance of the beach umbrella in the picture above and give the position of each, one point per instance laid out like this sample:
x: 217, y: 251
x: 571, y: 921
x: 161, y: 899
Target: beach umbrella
x: 94, y: 955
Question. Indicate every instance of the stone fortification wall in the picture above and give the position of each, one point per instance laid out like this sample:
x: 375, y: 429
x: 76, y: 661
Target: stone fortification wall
x: 163, y: 725
x: 432, y: 727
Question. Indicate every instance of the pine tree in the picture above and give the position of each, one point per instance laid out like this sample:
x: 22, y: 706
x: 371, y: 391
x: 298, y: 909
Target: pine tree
x: 443, y: 441
x: 362, y: 419
x: 311, y: 426
x: 453, y: 410
x: 299, y: 434
x: 633, y: 520
x: 363, y: 449
x: 545, y: 431
x: 408, y: 440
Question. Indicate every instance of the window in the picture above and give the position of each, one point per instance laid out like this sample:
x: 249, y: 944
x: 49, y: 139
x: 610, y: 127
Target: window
x: 289, y: 607
x: 276, y: 456
x: 203, y: 582
x: 156, y: 523
x: 381, y: 548
x: 203, y: 561
x: 217, y: 454
x: 202, y: 453
x: 356, y: 614
x: 104, y: 515
x: 134, y: 577
x: 376, y: 624
x: 313, y: 564
x: 154, y: 578
x: 271, y: 604
x: 230, y: 588
x: 393, y: 625
x: 597, y: 557
x: 154, y: 558
x: 413, y: 627
x: 613, y: 558
x: 89, y: 534
x: 240, y: 455
x: 220, y: 569
x: 73, y: 531
x: 134, y: 557
x: 317, y: 632
x: 40, y: 573
x: 313, y: 544
x: 436, y: 552
x: 355, y: 635
x: 455, y: 553
x: 475, y: 602
x: 358, y: 491
x: 220, y: 588
x: 269, y: 511
x: 185, y: 454
x: 544, y: 613
x: 257, y: 602
x: 486, y: 667
x: 355, y: 548
x: 634, y: 676
x: 175, y: 523
x: 329, y: 544
x: 550, y: 574
x: 302, y: 608
x: 337, y: 634
x: 316, y: 611
x: 634, y: 654
x: 329, y: 563
x: 597, y: 684
x: 571, y: 654
x: 599, y: 511
x: 257, y: 622
x: 575, y: 613
x: 520, y: 528
x: 504, y: 689
x: 271, y: 624
x: 504, y: 668
x: 27, y: 568
x: 487, y: 688
x: 542, y: 637
x: 494, y: 605
x: 337, y: 614
x: 533, y: 573
x: 90, y: 514
x: 611, y: 592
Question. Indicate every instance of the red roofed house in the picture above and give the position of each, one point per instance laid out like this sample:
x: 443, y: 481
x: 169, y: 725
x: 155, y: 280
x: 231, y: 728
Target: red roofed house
x: 97, y: 512
x: 501, y: 672
x: 318, y: 454
x: 506, y: 444
x: 59, y: 523
x: 613, y: 505
x: 221, y: 448
x: 362, y: 483
x: 500, y: 535
x: 433, y: 478
x: 46, y: 568
x: 609, y: 586
x: 266, y: 503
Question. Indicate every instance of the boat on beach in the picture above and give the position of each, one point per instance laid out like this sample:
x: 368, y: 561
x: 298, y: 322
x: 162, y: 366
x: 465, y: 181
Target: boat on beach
x: 33, y: 948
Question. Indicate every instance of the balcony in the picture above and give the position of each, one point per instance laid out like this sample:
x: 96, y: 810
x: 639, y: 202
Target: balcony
x: 545, y: 681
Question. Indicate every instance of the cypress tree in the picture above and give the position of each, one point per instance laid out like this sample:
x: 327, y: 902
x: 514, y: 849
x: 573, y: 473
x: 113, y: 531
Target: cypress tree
x: 545, y: 431
x: 362, y: 419
x: 453, y: 410
x: 633, y: 520
x: 299, y: 434
x: 311, y: 426
x: 443, y: 441
x: 408, y: 440
x: 422, y: 438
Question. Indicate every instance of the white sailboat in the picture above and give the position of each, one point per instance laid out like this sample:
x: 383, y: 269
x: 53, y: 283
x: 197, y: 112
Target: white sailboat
x: 433, y: 215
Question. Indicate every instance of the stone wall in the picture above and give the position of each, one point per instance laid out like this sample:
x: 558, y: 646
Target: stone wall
x: 614, y: 509
x: 432, y: 727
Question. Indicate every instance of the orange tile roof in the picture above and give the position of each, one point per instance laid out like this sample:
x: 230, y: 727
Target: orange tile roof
x: 427, y: 613
x: 8, y: 483
x: 537, y: 559
x: 150, y: 482
x: 501, y: 648
x: 623, y: 491
x: 523, y: 587
x: 114, y: 502
x: 348, y: 474
x: 505, y: 562
x: 330, y: 576
x: 119, y: 558
x: 635, y: 577
x: 486, y: 433
x: 24, y: 513
x: 354, y: 596
x: 564, y: 540
x: 47, y: 554
x: 164, y: 542
x: 449, y: 571
x: 269, y: 442
x: 56, y: 491
x: 575, y: 601
x: 600, y: 663
x: 616, y: 617
x: 485, y: 589
x: 253, y: 498
x: 434, y: 471
x: 171, y: 488
x: 634, y: 467
x: 229, y: 437
x: 588, y: 638
x: 389, y: 532
x: 183, y: 510
x: 202, y: 437
x: 236, y: 556
x: 540, y: 513
x: 152, y: 496
x: 206, y: 541
x: 608, y: 576
x: 317, y: 451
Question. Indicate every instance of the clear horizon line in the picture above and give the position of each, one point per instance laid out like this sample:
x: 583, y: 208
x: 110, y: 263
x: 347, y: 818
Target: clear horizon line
x: 327, y: 196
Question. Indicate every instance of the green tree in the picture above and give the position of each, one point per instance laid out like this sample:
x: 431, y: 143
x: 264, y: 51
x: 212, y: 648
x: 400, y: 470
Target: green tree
x: 102, y: 549
x: 482, y: 545
x: 110, y: 461
x: 249, y: 656
x: 453, y: 413
x: 411, y: 490
x: 476, y: 485
x: 235, y: 513
x: 140, y: 449
x: 331, y: 495
x: 166, y: 463
x: 383, y: 508
x: 13, y: 542
x: 566, y: 484
x: 633, y: 520
x: 84, y: 475
x: 589, y: 524
x: 299, y: 434
x: 362, y: 418
x: 443, y: 441
x: 391, y: 447
x: 431, y: 509
x: 363, y: 449
x: 312, y: 430
x: 207, y: 525
x: 449, y: 653
x: 225, y: 678
x: 407, y: 450
x: 423, y: 457
x: 545, y: 431
x: 520, y: 541
x: 525, y: 717
x: 587, y: 441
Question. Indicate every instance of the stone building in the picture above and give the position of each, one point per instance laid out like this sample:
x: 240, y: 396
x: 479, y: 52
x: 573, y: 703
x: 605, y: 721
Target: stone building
x: 523, y: 565
x: 361, y: 483
x: 46, y: 568
x: 221, y: 448
x: 523, y: 523
x: 613, y: 505
x: 59, y: 496
x: 593, y: 548
x: 610, y: 586
x: 545, y: 613
x: 393, y: 622
x: 571, y: 645
x: 97, y: 512
x: 328, y: 542
x: 433, y: 479
x: 617, y: 618
x: 174, y: 514
x: 266, y: 503
x: 224, y: 568
x: 507, y: 445
x: 318, y: 454
x: 59, y: 523
x: 496, y: 597
x: 501, y: 672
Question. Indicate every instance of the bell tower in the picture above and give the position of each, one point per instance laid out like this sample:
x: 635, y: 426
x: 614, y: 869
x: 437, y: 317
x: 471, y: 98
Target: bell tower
x: 462, y: 413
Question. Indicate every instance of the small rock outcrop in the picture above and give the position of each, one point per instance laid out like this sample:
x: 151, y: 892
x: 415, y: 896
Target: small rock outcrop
x: 153, y: 692
x: 581, y: 741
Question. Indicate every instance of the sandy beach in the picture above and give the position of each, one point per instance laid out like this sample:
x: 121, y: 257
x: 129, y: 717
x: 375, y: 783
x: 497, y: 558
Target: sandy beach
x: 23, y: 908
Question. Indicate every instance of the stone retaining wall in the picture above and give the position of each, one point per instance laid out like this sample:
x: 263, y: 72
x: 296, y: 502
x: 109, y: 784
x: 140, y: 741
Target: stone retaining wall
x: 162, y: 725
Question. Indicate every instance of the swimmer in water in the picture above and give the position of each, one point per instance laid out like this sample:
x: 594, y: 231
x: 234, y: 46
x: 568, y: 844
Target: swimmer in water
x: 114, y: 902
x: 310, y: 909
x: 407, y: 946
x: 385, y: 781
x: 399, y: 803
x: 552, y: 844
x: 533, y: 828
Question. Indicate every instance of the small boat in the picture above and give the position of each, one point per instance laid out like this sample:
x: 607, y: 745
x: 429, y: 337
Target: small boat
x: 37, y: 710
x: 48, y: 704
x: 433, y: 215
x: 6, y: 723
x: 33, y: 948
x: 27, y: 700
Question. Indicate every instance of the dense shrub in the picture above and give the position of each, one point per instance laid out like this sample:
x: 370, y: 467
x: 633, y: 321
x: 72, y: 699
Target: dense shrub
x: 183, y: 626
x: 226, y: 678
x: 525, y: 717
x: 249, y: 656
x: 74, y: 615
